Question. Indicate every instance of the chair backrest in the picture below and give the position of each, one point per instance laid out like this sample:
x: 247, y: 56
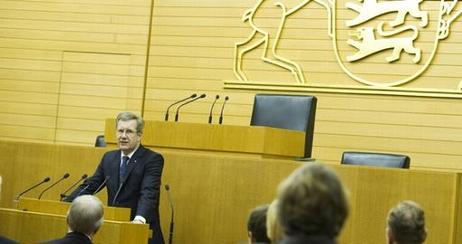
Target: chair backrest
x: 100, y: 141
x: 376, y: 159
x: 286, y: 112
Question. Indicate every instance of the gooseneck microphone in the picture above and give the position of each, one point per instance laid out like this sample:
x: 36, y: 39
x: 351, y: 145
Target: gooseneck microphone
x: 170, y: 237
x: 182, y: 100
x: 63, y: 195
x: 32, y: 187
x: 80, y: 192
x: 222, y: 109
x: 101, y: 186
x: 65, y: 176
x: 211, y: 109
x: 190, y: 101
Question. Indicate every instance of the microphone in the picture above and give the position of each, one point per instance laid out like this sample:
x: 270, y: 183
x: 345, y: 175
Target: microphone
x: 170, y: 237
x: 190, y: 101
x: 80, y: 192
x: 222, y: 108
x: 65, y: 176
x: 117, y: 193
x: 182, y: 100
x: 63, y: 195
x: 32, y: 187
x: 101, y: 186
x: 211, y: 109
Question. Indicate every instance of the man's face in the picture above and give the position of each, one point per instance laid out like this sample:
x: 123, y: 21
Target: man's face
x: 127, y: 137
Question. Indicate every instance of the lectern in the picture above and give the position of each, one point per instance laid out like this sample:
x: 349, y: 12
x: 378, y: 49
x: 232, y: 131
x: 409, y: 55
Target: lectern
x: 250, y: 140
x: 60, y: 208
x: 34, y: 227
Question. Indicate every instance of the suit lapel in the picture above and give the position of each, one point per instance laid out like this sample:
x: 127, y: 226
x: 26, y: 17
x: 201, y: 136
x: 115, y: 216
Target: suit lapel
x: 133, y: 162
x: 115, y: 167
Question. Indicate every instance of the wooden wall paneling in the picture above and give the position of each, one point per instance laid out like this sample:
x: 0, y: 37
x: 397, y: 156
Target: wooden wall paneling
x: 85, y: 129
x: 60, y: 46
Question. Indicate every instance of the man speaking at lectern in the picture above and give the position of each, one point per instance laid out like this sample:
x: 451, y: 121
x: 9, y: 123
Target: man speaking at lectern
x: 131, y: 174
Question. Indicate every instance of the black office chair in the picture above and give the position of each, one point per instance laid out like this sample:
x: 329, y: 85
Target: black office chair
x: 286, y: 112
x: 100, y: 141
x: 376, y: 159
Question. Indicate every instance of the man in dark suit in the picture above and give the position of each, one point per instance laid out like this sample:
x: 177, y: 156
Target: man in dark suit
x: 131, y: 174
x: 84, y: 219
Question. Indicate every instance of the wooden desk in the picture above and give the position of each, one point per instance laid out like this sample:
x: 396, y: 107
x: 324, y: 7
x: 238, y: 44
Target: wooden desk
x: 32, y: 227
x: 61, y: 208
x: 257, y: 140
x: 223, y: 190
x: 213, y: 194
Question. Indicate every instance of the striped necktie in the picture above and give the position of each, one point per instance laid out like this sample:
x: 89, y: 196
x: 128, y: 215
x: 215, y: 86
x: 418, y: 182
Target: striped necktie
x: 123, y: 168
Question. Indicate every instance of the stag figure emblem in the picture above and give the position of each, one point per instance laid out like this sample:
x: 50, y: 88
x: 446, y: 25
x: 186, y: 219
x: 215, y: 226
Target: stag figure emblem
x: 270, y: 35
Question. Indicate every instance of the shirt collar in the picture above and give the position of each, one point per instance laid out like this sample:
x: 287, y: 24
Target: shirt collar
x: 130, y: 154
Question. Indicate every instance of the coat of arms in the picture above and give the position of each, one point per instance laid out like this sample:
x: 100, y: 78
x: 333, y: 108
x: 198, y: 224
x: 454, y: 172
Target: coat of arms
x: 367, y: 36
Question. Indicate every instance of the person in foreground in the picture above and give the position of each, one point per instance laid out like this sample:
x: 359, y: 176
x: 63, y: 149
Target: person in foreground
x: 406, y: 224
x: 256, y: 225
x: 312, y: 206
x: 4, y: 240
x: 84, y: 218
x: 131, y: 174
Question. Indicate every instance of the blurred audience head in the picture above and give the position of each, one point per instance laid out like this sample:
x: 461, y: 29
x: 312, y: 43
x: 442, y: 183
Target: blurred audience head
x: 274, y: 229
x: 85, y: 215
x: 406, y: 224
x: 256, y: 225
x: 312, y: 202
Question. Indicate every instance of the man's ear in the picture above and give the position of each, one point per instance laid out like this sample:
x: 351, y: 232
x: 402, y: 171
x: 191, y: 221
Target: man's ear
x: 251, y: 239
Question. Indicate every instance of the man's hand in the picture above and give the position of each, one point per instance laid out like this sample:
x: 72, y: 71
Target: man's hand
x: 137, y: 221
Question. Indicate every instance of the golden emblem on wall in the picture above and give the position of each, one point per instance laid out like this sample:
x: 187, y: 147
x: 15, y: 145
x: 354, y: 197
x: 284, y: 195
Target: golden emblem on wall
x: 269, y: 35
x: 369, y: 37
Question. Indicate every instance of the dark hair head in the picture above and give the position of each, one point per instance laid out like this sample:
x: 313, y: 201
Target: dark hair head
x: 256, y: 224
x: 406, y: 221
x: 312, y: 201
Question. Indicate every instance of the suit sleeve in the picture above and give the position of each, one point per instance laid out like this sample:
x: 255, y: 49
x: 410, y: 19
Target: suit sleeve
x: 91, y: 185
x: 150, y: 186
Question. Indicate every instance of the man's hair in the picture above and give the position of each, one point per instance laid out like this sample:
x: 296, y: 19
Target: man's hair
x: 127, y: 116
x: 85, y: 214
x: 406, y: 221
x: 256, y: 224
x: 312, y: 201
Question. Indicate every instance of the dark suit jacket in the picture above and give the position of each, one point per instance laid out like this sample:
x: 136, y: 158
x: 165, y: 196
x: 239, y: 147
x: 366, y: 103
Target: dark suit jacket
x: 140, y: 189
x: 305, y: 239
x: 72, y: 238
x: 4, y: 240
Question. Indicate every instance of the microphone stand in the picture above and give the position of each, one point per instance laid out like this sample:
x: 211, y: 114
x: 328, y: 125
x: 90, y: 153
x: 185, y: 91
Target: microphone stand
x: 211, y: 109
x: 30, y: 188
x: 170, y: 237
x: 65, y: 176
x: 190, y: 101
x: 63, y: 195
x: 182, y: 100
x: 222, y: 108
x: 101, y: 186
